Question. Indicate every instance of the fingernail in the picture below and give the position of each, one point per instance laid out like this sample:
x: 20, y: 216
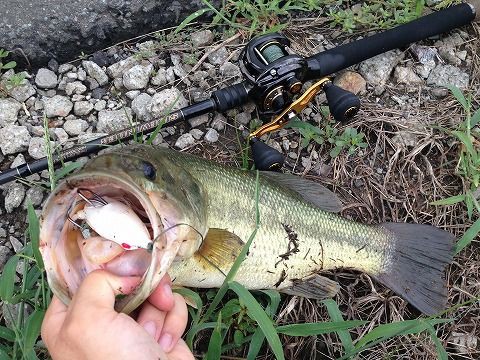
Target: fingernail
x: 150, y: 328
x: 167, y: 289
x: 165, y: 342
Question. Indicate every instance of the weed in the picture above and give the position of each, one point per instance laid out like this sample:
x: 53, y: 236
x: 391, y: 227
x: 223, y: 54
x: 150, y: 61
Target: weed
x: 375, y: 14
x: 12, y: 81
x: 350, y: 139
x: 468, y: 166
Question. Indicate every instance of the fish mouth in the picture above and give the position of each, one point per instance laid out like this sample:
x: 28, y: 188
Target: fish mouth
x: 62, y: 240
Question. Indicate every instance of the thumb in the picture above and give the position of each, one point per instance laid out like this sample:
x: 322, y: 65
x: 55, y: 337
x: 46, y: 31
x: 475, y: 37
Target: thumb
x: 99, y: 289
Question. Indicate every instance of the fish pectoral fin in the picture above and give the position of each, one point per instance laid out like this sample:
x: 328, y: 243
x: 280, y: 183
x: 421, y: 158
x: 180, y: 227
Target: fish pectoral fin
x: 220, y: 249
x: 310, y: 191
x: 316, y: 287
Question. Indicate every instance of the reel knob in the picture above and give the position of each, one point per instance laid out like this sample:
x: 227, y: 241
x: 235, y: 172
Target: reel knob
x: 342, y: 103
x: 265, y: 157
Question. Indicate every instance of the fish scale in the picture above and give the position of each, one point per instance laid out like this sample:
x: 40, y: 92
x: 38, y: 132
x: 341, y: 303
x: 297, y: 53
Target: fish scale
x: 325, y: 238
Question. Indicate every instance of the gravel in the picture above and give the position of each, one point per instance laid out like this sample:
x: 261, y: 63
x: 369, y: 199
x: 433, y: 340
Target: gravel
x: 82, y: 108
x: 114, y: 120
x: 137, y: 77
x: 211, y: 135
x: 202, y: 38
x: 444, y: 75
x: 95, y: 72
x: 377, y: 70
x: 75, y: 127
x: 140, y: 106
x: 36, y: 148
x: 46, y: 79
x: 185, y: 141
x: 14, y: 196
x: 167, y: 100
x: 76, y: 87
x: 9, y: 109
x: 14, y: 139
x: 218, y: 57
x: 57, y: 106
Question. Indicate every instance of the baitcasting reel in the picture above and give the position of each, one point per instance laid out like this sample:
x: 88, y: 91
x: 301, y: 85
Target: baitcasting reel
x: 274, y: 77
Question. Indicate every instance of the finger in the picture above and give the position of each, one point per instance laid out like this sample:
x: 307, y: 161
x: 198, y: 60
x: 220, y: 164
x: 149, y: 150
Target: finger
x: 174, y: 324
x: 162, y: 296
x: 53, y: 320
x: 99, y: 288
x: 151, y: 319
x: 181, y: 352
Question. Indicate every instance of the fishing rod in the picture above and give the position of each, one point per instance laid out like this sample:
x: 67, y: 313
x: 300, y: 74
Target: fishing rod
x: 274, y: 78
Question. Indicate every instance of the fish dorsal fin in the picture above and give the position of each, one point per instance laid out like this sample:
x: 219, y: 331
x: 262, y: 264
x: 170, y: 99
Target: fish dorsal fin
x: 220, y: 249
x: 316, y: 287
x: 310, y: 191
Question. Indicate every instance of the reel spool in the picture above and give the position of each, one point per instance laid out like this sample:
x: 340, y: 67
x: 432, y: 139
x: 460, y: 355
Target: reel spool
x: 274, y: 77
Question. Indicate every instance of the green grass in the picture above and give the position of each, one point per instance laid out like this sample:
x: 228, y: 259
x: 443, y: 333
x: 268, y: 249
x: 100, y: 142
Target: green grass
x: 468, y: 166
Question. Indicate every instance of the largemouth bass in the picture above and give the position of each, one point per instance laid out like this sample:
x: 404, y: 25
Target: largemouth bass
x: 199, y: 214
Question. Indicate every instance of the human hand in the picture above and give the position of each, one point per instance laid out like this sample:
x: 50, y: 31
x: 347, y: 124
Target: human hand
x: 90, y: 328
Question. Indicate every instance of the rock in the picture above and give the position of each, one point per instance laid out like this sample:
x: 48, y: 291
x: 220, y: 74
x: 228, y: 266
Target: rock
x: 166, y: 101
x: 184, y: 141
x: 9, y: 109
x: 100, y: 58
x: 132, y: 94
x: 14, y: 196
x: 95, y: 72
x: 53, y: 65
x: 23, y: 91
x: 202, y: 38
x: 218, y: 57
x: 211, y: 135
x: 424, y: 54
x: 19, y: 160
x: 82, y: 108
x: 440, y: 93
x: 46, y: 79
x: 98, y: 93
x: 114, y: 120
x: 92, y: 83
x: 57, y: 106
x: 218, y: 122
x: 60, y: 135
x: 405, y: 75
x: 199, y: 120
x: 4, y: 256
x: 464, y: 343
x: 160, y: 77
x: 424, y: 70
x: 16, y: 244
x: 447, y: 48
x: 140, y: 106
x: 351, y: 81
x: 405, y: 139
x: 444, y: 75
x: 376, y: 70
x: 137, y: 77
x: 34, y: 196
x: 75, y: 127
x: 14, y: 139
x: 196, y: 133
x: 243, y: 118
x: 100, y: 105
x: 36, y: 148
x: 118, y: 69
x: 229, y: 69
x: 75, y: 87
x: 81, y: 75
x: 63, y: 68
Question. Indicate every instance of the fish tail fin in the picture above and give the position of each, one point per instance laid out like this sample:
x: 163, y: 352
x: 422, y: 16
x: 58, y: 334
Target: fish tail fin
x: 416, y: 270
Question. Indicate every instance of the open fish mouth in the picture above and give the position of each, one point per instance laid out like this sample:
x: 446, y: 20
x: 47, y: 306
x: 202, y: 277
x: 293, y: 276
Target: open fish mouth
x: 98, y: 220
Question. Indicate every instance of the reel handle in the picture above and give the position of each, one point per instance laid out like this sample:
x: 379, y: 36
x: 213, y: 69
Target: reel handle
x: 342, y: 103
x: 265, y: 157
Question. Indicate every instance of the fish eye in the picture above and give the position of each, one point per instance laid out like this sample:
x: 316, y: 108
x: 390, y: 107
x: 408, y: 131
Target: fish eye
x: 149, y: 170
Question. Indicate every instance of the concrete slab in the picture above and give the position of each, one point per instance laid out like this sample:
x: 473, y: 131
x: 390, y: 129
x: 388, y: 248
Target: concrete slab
x: 60, y: 29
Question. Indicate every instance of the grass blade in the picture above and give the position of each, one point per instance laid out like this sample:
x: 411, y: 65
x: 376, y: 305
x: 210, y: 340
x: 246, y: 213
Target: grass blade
x: 32, y: 330
x: 450, y: 200
x: 190, y: 18
x: 386, y: 331
x: 468, y: 237
x: 191, y: 295
x: 309, y: 329
x: 258, y: 314
x: 7, y: 334
x: 441, y: 352
x: 336, y: 316
x: 7, y: 281
x: 458, y: 95
x: 67, y: 169
x: 4, y: 355
x: 34, y: 235
x: 275, y: 298
x: 255, y: 344
x: 215, y: 345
